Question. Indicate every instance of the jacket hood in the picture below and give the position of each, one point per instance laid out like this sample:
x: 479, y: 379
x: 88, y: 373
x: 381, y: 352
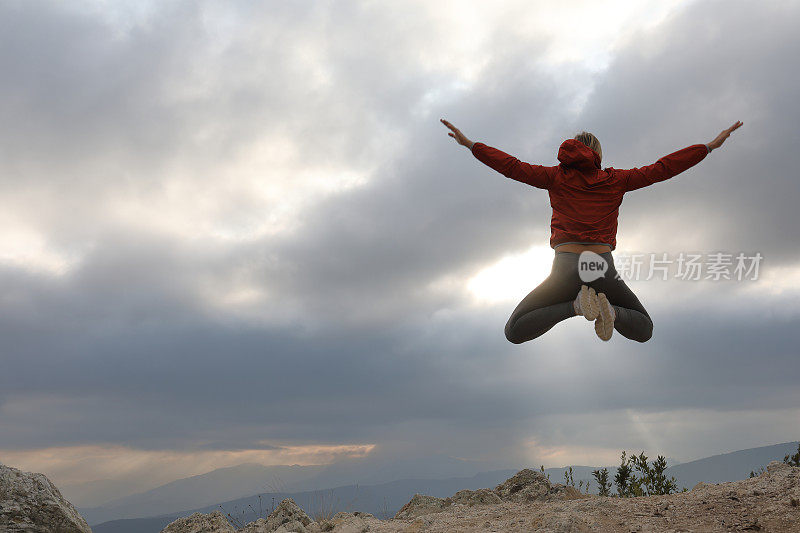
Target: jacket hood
x: 573, y: 153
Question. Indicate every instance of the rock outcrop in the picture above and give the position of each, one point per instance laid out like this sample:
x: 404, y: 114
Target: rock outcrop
x: 525, y: 486
x: 421, y: 504
x: 475, y: 497
x: 287, y: 515
x: 30, y: 503
x: 531, y: 485
x: 200, y: 523
x: 769, y: 502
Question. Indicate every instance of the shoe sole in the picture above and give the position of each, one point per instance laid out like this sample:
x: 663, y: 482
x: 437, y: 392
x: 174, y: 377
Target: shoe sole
x: 590, y: 306
x: 604, y: 326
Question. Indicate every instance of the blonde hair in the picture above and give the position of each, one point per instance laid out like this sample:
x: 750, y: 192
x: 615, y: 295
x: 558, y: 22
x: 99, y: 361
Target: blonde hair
x: 591, y: 141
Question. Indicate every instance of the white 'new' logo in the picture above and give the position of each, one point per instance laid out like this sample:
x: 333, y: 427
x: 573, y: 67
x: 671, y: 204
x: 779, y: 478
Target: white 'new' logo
x: 591, y: 266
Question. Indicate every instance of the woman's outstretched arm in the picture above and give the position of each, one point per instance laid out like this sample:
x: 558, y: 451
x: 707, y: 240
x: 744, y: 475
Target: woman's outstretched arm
x: 673, y: 164
x: 507, y: 165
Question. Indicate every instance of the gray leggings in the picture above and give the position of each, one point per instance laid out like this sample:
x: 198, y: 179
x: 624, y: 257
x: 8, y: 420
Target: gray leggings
x: 551, y: 302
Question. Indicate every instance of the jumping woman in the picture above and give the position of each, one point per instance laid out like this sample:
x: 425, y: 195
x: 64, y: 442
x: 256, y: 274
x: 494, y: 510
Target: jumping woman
x: 585, y: 201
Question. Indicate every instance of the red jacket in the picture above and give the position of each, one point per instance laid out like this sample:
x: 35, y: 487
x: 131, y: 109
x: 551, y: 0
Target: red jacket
x: 585, y: 198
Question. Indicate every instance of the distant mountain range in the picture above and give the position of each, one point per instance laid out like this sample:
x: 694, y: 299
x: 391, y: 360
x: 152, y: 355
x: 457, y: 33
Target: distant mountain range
x: 227, y: 484
x: 381, y: 498
x: 729, y: 466
x: 218, y: 485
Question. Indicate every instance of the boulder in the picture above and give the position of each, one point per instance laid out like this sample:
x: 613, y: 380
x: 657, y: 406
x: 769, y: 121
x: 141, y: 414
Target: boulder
x: 524, y: 486
x: 532, y: 485
x: 30, y: 503
x: 420, y: 505
x: 287, y: 515
x: 474, y: 497
x: 776, y: 466
x: 215, y: 522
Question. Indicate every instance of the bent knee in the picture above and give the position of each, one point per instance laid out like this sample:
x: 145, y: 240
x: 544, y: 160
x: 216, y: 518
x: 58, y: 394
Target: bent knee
x: 514, y: 340
x: 511, y: 336
x: 646, y: 333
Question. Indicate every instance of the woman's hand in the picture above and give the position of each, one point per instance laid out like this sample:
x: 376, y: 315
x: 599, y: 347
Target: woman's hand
x: 457, y: 135
x: 716, y: 143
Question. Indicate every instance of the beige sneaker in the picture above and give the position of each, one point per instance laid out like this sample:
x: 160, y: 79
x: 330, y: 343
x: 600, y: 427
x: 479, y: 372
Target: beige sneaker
x: 586, y: 303
x: 604, y: 325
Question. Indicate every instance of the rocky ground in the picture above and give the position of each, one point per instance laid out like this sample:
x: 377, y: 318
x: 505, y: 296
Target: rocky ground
x: 527, y: 502
x: 767, y: 503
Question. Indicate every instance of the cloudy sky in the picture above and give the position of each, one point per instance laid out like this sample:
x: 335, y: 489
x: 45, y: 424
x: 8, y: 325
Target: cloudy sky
x: 238, y: 232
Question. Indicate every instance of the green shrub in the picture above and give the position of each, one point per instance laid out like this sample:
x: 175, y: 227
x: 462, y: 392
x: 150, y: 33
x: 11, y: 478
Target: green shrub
x: 602, y: 480
x: 568, y: 478
x: 622, y: 476
x: 651, y: 481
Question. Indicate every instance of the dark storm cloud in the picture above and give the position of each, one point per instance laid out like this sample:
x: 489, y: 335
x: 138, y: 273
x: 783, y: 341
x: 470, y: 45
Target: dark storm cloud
x: 695, y: 76
x: 125, y: 346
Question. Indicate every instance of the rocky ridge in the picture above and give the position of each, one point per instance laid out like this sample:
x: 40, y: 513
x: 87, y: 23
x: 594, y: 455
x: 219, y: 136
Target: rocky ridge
x: 528, y: 502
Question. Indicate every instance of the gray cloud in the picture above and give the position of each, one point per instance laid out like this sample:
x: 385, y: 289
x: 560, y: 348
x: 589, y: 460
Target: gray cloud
x: 127, y: 347
x: 694, y: 77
